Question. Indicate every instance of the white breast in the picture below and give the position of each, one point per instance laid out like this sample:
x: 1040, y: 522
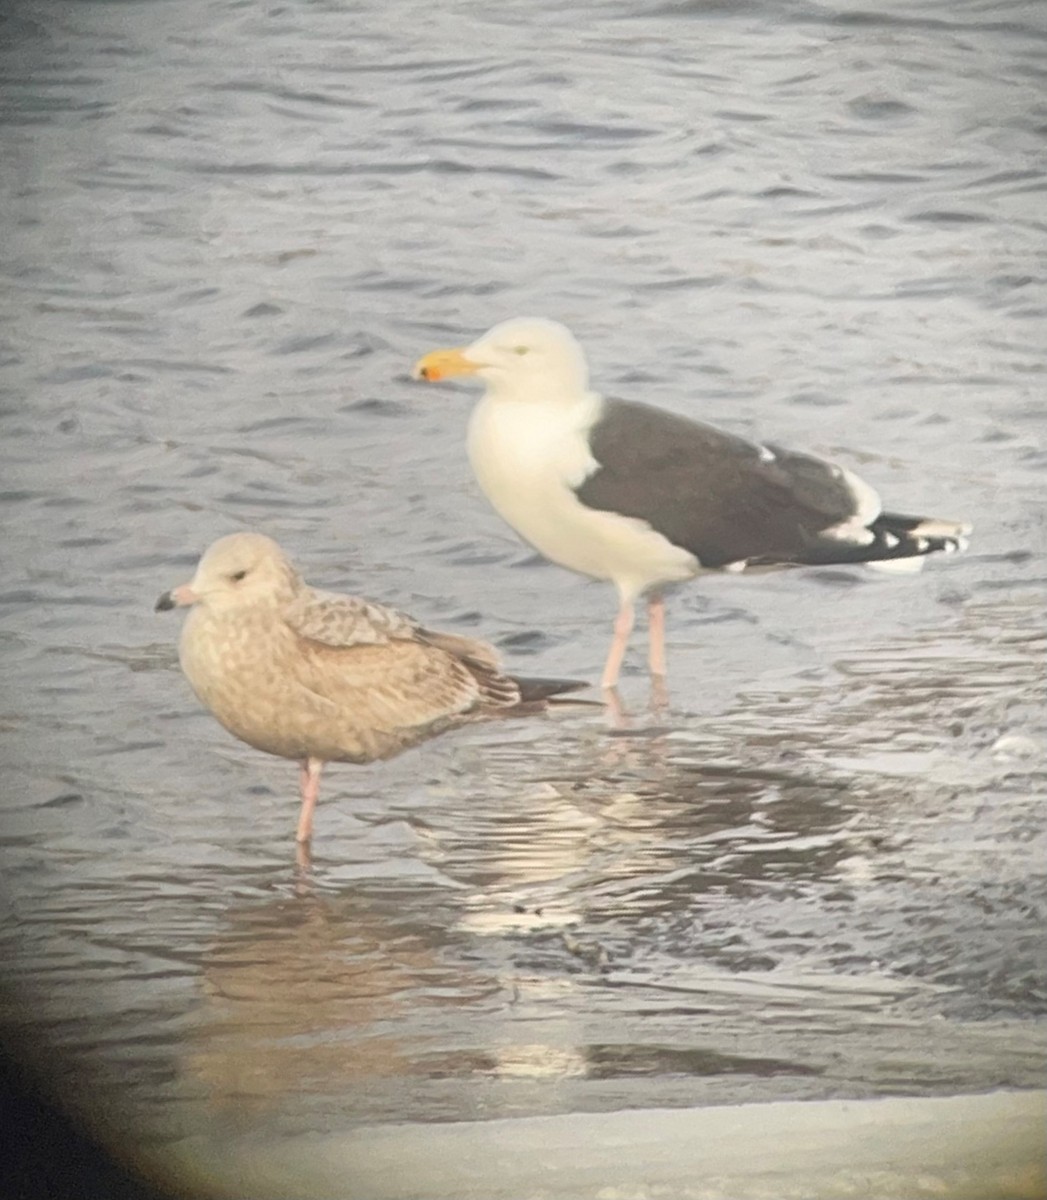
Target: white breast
x: 528, y: 457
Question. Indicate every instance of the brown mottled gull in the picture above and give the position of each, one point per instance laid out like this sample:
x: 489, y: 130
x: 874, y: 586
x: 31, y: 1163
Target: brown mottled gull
x: 321, y: 677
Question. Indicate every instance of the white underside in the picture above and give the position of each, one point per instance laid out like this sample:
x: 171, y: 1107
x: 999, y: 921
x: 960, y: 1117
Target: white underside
x: 898, y: 566
x: 528, y: 457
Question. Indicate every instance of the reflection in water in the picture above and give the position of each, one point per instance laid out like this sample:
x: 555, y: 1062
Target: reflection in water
x: 355, y: 993
x: 638, y: 826
x: 318, y: 993
x: 321, y: 999
x: 696, y: 909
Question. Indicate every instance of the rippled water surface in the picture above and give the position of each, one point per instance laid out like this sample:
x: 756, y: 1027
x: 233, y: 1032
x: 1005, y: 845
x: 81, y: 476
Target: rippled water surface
x: 228, y: 230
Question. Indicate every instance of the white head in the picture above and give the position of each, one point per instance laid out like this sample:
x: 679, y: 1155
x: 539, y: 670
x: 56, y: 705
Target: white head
x: 525, y: 356
x: 238, y: 571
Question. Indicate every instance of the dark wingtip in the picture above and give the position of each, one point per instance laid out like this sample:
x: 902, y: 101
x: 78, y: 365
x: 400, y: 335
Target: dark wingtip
x: 543, y: 689
x: 164, y: 603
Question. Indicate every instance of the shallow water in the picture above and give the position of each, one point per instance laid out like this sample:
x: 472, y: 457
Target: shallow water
x: 228, y: 232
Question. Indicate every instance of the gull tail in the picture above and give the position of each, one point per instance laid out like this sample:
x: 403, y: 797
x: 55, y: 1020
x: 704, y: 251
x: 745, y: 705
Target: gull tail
x: 510, y: 696
x: 903, y: 542
x: 543, y: 691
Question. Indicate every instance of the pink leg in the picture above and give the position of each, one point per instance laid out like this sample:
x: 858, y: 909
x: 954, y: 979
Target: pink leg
x: 623, y: 626
x: 617, y: 717
x: 309, y: 780
x: 303, y: 861
x: 656, y: 630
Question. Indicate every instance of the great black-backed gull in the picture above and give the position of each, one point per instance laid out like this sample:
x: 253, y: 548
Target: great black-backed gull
x: 642, y: 497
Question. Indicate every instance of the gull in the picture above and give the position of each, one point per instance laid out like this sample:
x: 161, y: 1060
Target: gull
x: 323, y: 677
x: 625, y: 492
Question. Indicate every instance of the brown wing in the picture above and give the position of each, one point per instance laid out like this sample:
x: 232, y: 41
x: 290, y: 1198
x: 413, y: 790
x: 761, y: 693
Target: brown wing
x: 388, y: 673
x: 403, y: 688
x: 497, y: 689
x: 341, y: 621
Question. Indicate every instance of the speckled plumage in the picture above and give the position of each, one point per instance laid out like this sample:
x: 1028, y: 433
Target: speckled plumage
x: 321, y: 677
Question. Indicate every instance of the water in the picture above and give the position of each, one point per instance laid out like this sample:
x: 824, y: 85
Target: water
x: 229, y: 229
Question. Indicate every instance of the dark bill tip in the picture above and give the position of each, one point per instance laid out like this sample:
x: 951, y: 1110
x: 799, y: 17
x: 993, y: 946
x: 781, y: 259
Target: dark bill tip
x: 165, y: 602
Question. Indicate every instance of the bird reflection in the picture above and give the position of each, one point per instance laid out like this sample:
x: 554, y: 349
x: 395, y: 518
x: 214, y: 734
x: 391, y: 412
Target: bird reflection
x: 317, y: 993
x: 389, y: 996
x: 561, y: 882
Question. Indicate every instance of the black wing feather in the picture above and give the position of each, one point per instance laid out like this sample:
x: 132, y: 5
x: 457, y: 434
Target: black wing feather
x: 711, y: 492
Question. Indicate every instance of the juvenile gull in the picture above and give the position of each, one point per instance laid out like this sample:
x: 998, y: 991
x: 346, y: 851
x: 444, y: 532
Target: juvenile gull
x: 321, y: 677
x: 642, y: 497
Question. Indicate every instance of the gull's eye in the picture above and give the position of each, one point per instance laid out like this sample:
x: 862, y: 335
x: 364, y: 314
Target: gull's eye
x: 521, y: 349
x: 237, y: 576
